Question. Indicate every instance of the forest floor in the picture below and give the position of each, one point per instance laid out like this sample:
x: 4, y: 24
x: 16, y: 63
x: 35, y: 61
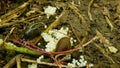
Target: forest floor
x: 93, y: 24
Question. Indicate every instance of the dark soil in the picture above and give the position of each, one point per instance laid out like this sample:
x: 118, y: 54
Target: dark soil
x: 85, y: 29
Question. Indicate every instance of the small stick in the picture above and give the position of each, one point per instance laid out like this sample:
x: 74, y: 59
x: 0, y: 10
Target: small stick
x: 14, y: 13
x: 109, y: 23
x: 44, y: 63
x: 76, y: 11
x: 56, y: 61
x: 81, y: 16
x: 75, y: 33
x: 18, y: 60
x: 56, y: 22
x: 89, y: 8
x: 11, y: 62
x: 85, y: 38
x: 7, y: 24
x: 102, y: 39
x: 9, y: 34
x: 22, y: 20
x: 104, y: 53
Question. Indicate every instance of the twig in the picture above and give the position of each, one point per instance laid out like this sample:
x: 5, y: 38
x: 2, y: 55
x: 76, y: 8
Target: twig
x: 44, y: 63
x: 85, y: 38
x: 76, y: 11
x: 93, y: 39
x: 106, y: 12
x: 106, y: 43
x: 107, y: 16
x: 6, y: 24
x: 104, y: 53
x: 11, y: 62
x: 21, y: 20
x: 18, y: 60
x: 102, y: 39
x: 14, y: 13
x: 75, y: 33
x: 56, y: 61
x: 109, y: 23
x: 59, y: 60
x: 89, y: 8
x: 9, y: 34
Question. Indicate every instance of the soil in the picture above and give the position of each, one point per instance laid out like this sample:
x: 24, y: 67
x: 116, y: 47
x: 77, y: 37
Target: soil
x: 84, y: 17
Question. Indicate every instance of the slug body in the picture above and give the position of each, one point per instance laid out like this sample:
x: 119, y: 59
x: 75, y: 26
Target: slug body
x: 63, y: 44
x: 33, y: 30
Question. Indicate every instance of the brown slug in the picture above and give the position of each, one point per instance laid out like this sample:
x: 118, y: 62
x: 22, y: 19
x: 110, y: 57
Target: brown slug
x: 63, y: 44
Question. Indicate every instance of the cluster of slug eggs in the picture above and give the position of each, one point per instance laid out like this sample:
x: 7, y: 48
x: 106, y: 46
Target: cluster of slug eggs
x: 57, y: 40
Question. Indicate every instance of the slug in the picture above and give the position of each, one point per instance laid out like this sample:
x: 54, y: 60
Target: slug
x: 63, y: 44
x: 33, y: 30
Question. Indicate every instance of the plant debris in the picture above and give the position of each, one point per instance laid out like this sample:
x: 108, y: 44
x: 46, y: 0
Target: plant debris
x: 59, y: 34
